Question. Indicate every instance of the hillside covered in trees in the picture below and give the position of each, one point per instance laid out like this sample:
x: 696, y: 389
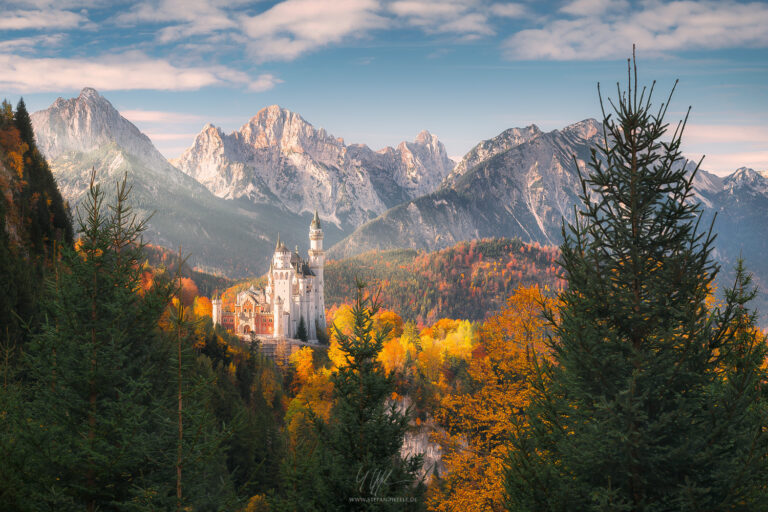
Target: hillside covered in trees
x: 470, y: 280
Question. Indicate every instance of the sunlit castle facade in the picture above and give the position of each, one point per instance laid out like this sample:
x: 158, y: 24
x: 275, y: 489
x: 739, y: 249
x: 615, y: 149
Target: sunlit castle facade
x: 294, y: 292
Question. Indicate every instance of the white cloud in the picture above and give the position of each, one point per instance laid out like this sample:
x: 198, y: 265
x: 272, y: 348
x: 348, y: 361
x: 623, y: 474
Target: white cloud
x: 132, y: 70
x: 56, y: 4
x: 657, y: 29
x: 593, y: 7
x: 263, y: 83
x: 508, y: 10
x: 23, y: 44
x: 159, y: 116
x: 39, y: 19
x: 462, y: 18
x: 294, y: 27
x: 188, y: 17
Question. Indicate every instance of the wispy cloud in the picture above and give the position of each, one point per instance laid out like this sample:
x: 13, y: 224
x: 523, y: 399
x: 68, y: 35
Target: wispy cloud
x: 594, y: 29
x: 508, y: 10
x: 25, y: 44
x: 726, y: 163
x: 263, y: 83
x: 40, y: 19
x: 159, y: 116
x: 434, y: 16
x: 715, y: 133
x: 294, y: 27
x: 593, y: 7
x: 727, y: 146
x: 131, y: 70
x: 187, y: 18
x: 165, y: 137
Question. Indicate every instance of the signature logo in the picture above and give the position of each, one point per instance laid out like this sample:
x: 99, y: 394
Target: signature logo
x: 372, y: 480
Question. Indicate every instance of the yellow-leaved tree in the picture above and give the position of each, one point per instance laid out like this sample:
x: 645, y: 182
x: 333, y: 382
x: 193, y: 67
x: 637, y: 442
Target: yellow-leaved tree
x: 478, y: 415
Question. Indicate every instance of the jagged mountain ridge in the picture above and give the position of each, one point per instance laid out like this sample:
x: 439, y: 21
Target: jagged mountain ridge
x: 278, y: 158
x: 521, y: 184
x: 231, y: 237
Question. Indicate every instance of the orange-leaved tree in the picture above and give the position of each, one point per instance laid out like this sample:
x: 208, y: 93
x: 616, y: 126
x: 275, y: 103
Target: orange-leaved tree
x: 478, y: 414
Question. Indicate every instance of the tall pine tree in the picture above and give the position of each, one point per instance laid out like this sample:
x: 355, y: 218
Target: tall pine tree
x: 99, y: 429
x: 654, y: 400
x: 356, y: 462
x: 49, y: 221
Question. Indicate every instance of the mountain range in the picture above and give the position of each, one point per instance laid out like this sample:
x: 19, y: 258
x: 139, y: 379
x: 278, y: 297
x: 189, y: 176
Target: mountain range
x: 278, y: 158
x: 229, y: 196
x: 226, y: 197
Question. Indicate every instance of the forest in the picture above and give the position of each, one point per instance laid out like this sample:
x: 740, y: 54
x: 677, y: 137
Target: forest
x: 470, y: 280
x: 492, y: 375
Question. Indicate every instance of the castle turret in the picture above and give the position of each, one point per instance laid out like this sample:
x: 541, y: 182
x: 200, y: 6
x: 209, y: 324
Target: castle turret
x: 317, y: 264
x: 216, y: 310
x: 282, y: 256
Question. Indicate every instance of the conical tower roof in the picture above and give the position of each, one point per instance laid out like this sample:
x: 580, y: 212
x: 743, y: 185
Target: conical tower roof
x: 280, y: 247
x: 315, y: 221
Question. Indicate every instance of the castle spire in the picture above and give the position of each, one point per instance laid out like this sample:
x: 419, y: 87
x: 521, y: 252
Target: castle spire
x: 277, y: 245
x: 315, y: 221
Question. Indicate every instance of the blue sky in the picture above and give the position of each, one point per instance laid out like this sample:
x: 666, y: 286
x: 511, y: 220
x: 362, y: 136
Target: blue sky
x: 379, y: 71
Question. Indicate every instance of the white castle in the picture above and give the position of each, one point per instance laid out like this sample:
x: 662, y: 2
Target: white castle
x: 294, y: 293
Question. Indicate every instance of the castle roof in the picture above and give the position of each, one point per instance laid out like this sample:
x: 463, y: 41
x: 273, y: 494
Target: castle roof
x: 280, y: 246
x: 315, y: 222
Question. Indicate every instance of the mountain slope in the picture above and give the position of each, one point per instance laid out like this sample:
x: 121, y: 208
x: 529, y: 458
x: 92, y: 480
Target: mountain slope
x: 522, y: 189
x: 523, y: 182
x: 280, y: 159
x: 232, y: 237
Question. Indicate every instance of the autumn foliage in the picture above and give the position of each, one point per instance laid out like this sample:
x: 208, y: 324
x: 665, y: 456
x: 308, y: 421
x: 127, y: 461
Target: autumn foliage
x: 469, y: 280
x: 478, y: 414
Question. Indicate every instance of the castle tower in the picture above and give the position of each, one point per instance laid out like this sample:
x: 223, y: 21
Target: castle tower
x: 282, y: 279
x: 316, y: 264
x: 216, y: 310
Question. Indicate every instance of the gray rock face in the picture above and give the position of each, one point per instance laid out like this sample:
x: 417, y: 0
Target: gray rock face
x: 487, y: 149
x: 280, y: 159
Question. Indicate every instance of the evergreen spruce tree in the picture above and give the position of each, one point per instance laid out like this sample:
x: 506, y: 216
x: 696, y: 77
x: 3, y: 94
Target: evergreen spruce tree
x: 91, y: 390
x: 361, y: 463
x: 322, y: 334
x: 99, y: 427
x: 654, y: 400
x: 301, y: 330
x: 50, y: 221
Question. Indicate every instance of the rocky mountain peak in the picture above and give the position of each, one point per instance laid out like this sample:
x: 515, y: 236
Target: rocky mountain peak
x: 279, y: 158
x: 506, y: 140
x: 86, y: 123
x: 586, y: 129
x: 279, y: 128
x: 746, y: 178
x: 426, y: 138
x: 89, y: 93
